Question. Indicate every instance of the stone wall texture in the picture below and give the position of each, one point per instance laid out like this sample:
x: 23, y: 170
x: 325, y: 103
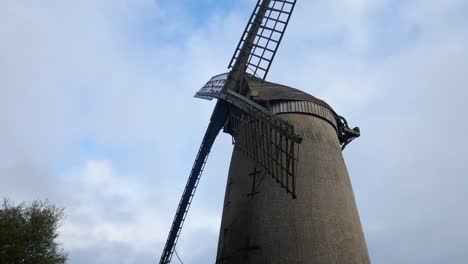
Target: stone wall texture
x: 267, y: 226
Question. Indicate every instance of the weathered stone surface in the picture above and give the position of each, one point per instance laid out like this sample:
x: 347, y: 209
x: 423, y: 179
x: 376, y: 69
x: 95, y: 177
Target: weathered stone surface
x: 268, y: 227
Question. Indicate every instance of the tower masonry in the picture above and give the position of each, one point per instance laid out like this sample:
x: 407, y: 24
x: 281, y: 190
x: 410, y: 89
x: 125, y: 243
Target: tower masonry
x: 262, y: 224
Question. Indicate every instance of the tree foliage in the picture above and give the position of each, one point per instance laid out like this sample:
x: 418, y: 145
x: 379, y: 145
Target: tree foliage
x: 28, y: 233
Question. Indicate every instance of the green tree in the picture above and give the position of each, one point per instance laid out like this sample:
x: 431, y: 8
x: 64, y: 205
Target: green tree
x: 28, y: 233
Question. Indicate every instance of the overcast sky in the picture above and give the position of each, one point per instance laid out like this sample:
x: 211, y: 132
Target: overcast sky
x: 97, y: 115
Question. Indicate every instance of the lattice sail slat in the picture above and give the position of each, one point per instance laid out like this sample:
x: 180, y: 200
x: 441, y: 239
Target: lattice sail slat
x: 267, y: 139
x: 213, y: 88
x: 268, y: 37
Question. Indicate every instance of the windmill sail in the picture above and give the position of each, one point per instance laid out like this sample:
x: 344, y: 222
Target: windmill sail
x: 211, y: 133
x: 268, y: 37
x: 265, y: 138
x: 257, y: 47
x: 213, y: 88
x: 261, y: 135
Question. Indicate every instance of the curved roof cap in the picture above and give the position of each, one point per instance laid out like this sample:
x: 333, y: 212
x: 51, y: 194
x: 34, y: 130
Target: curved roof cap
x: 261, y: 90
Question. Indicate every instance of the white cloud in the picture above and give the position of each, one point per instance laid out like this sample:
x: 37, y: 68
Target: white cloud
x: 71, y: 72
x: 105, y: 208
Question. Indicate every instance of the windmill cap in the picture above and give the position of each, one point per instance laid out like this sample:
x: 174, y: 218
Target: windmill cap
x: 261, y: 90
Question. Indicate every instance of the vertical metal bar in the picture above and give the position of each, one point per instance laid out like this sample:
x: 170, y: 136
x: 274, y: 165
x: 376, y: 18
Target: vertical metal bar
x: 263, y: 140
x: 277, y: 150
x: 293, y: 170
x: 270, y: 149
x: 281, y: 155
x: 287, y: 165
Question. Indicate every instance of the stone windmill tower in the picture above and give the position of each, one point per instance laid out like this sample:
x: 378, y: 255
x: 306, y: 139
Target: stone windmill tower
x: 288, y: 197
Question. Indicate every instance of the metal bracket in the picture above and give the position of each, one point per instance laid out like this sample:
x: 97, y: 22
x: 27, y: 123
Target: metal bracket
x: 346, y: 134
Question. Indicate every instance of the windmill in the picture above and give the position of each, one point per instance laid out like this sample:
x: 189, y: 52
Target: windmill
x: 262, y: 118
